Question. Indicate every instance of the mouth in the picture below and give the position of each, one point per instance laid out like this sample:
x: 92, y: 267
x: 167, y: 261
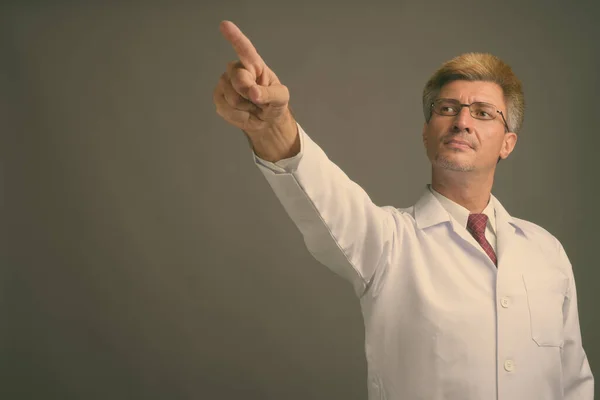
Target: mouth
x: 459, y: 144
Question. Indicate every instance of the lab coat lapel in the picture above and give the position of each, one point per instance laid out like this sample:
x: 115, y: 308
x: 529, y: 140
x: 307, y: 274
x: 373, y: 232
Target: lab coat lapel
x: 429, y: 212
x: 507, y: 231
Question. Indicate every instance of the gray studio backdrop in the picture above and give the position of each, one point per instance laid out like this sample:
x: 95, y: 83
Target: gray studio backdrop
x: 147, y: 258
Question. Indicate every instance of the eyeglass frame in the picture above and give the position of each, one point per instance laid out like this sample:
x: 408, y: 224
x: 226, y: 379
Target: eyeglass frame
x: 469, y: 107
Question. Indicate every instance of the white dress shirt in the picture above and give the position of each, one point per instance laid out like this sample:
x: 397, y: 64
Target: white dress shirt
x: 441, y: 321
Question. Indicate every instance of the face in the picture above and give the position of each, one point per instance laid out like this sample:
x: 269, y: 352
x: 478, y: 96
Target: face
x: 486, y: 139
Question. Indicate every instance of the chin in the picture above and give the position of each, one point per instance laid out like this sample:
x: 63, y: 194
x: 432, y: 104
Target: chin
x: 453, y: 165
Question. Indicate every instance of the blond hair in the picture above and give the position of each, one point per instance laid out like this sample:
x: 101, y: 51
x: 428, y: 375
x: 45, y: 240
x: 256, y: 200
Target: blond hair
x: 479, y: 67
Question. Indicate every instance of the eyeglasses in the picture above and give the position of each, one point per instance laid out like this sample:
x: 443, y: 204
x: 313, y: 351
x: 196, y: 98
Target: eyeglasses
x: 478, y: 110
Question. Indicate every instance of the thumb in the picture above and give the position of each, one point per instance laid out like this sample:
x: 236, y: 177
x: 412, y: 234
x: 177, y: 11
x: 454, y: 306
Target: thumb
x: 275, y: 95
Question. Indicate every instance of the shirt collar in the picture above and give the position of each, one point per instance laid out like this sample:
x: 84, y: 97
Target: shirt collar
x: 461, y: 214
x: 428, y: 211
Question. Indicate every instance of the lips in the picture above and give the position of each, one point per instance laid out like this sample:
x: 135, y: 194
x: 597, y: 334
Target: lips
x: 460, y: 142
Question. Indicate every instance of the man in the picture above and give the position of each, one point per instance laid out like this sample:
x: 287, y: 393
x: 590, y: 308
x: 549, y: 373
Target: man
x: 460, y: 300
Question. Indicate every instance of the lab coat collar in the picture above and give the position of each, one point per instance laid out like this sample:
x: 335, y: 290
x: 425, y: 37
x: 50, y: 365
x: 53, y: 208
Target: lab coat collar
x: 429, y: 212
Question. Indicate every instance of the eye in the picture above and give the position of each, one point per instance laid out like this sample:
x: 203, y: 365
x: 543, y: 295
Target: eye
x: 446, y: 107
x: 483, y: 111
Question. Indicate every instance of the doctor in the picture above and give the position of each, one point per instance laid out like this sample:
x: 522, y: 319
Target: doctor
x: 460, y: 300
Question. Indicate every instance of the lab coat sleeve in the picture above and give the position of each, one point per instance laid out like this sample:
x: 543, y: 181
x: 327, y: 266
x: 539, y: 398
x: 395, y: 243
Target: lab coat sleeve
x: 341, y: 226
x: 578, y: 381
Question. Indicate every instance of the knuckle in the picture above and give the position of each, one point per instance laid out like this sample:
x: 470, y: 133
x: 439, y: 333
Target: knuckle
x: 235, y: 101
x: 217, y: 98
x: 234, y: 66
x: 238, y: 87
x: 225, y: 114
x: 281, y: 90
x: 237, y: 74
x: 220, y: 111
x: 218, y: 89
x: 231, y: 65
x: 242, y: 104
x: 230, y: 100
x: 223, y: 81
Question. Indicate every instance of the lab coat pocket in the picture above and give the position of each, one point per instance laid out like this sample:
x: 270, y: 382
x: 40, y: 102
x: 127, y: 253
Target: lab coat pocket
x: 545, y: 296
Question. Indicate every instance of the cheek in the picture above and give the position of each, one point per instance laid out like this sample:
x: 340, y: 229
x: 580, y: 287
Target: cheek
x: 492, y: 148
x: 432, y: 136
x: 437, y: 127
x: 427, y: 139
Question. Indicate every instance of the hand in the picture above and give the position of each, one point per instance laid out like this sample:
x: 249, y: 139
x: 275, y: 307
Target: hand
x: 250, y: 96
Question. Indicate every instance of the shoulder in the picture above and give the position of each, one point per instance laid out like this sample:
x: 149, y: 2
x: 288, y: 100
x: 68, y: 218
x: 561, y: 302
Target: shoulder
x: 533, y: 231
x: 402, y: 220
x: 403, y: 215
x: 542, y: 238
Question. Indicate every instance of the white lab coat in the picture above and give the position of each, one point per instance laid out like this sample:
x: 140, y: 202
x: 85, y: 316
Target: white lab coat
x: 441, y: 321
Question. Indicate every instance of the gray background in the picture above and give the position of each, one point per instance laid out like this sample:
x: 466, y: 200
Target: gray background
x: 145, y: 255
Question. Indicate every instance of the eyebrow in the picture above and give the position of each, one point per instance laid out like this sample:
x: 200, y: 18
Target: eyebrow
x: 475, y: 101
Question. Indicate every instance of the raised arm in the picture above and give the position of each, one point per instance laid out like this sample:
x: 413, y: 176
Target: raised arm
x: 342, y: 228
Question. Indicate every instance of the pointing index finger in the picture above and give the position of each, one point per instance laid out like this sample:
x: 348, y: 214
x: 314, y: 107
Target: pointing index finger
x: 246, y: 52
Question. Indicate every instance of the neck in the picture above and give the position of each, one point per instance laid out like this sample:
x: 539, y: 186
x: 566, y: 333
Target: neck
x: 469, y: 189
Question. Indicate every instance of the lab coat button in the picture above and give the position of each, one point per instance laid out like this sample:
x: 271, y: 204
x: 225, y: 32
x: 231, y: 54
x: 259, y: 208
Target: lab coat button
x: 504, y: 302
x: 509, y: 365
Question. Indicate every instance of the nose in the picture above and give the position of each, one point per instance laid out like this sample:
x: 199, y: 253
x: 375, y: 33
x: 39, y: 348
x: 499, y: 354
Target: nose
x: 463, y: 121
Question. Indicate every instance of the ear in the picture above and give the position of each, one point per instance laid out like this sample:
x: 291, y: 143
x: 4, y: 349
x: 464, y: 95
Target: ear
x: 508, y: 144
x: 424, y: 133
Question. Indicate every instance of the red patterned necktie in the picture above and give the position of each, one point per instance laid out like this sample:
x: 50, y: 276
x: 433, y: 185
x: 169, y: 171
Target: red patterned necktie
x: 476, y: 225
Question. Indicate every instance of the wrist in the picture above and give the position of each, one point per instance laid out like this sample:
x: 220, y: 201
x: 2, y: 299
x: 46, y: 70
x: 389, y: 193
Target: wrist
x: 282, y: 142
